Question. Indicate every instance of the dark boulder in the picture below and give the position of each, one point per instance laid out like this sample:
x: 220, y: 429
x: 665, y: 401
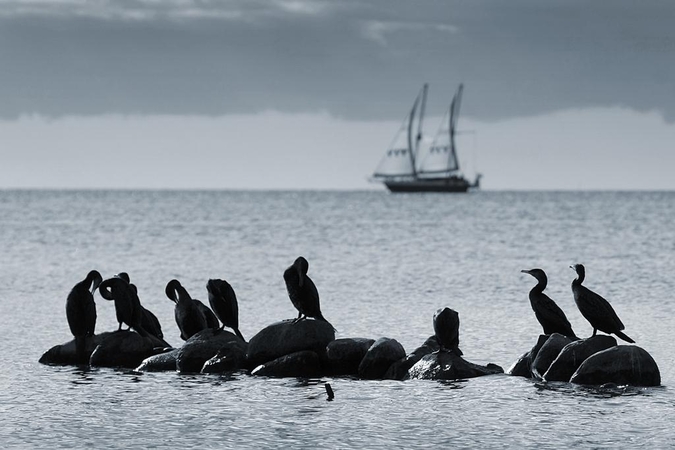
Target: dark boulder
x: 575, y: 353
x: 65, y: 354
x: 228, y: 359
x: 305, y: 364
x: 399, y: 370
x: 523, y: 367
x: 203, y: 346
x: 548, y: 353
x: 159, y: 363
x: 286, y: 337
x: 343, y: 356
x: 446, y: 365
x: 379, y: 357
x: 125, y: 349
x: 621, y: 365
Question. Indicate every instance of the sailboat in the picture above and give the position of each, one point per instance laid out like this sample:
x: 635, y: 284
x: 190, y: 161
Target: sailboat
x: 409, y: 167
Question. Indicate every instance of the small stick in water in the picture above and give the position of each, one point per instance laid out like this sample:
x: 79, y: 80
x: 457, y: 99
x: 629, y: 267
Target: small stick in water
x: 329, y: 392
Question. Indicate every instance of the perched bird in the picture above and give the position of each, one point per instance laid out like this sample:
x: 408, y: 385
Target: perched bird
x: 549, y: 315
x: 149, y: 321
x: 446, y: 329
x: 127, y: 306
x: 594, y: 308
x: 302, y: 291
x: 81, y: 311
x: 189, y: 316
x: 223, y: 302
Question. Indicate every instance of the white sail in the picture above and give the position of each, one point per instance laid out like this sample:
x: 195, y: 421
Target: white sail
x: 399, y: 160
x: 441, y: 158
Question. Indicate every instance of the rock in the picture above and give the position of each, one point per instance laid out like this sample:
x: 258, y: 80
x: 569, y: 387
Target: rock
x: 305, y: 364
x: 343, y: 356
x: 159, y: 363
x: 65, y: 354
x: 379, y: 357
x: 548, y: 353
x: 523, y: 367
x: 203, y: 346
x: 399, y: 370
x: 124, y: 349
x: 286, y: 337
x: 621, y: 365
x: 445, y: 365
x: 574, y: 353
x: 228, y: 359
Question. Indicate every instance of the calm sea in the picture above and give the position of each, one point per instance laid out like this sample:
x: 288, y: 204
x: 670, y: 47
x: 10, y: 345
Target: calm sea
x: 383, y: 264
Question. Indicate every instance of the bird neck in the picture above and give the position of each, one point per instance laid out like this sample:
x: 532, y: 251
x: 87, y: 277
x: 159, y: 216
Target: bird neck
x: 541, y: 285
x: 578, y: 280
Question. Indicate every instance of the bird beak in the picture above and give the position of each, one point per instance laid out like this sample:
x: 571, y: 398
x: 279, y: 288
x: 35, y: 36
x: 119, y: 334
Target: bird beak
x: 572, y: 267
x: 525, y: 271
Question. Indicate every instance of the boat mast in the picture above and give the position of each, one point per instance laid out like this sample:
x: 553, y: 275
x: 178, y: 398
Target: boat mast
x: 419, y: 124
x: 454, y: 116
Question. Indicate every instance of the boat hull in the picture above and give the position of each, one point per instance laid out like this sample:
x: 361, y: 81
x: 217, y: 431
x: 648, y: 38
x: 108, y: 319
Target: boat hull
x: 458, y: 185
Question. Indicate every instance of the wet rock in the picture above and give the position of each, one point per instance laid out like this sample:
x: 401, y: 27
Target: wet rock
x: 203, y: 346
x: 575, y: 353
x: 343, y: 356
x: 125, y: 349
x: 305, y: 364
x: 621, y: 365
x: 286, y: 337
x: 65, y: 354
x: 399, y: 370
x: 228, y: 359
x: 446, y: 365
x: 523, y: 367
x: 379, y: 357
x: 158, y: 363
x: 548, y: 353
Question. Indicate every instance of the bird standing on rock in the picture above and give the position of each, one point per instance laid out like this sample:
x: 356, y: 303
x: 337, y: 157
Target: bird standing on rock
x: 596, y: 309
x: 223, y: 302
x: 548, y: 313
x: 446, y: 329
x: 81, y: 311
x: 302, y: 291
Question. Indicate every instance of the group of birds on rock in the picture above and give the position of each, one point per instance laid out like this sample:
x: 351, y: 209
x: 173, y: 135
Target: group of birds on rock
x: 592, y: 306
x: 192, y: 316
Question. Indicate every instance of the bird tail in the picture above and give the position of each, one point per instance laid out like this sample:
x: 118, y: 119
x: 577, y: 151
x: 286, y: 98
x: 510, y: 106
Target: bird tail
x: 238, y: 333
x: 624, y: 337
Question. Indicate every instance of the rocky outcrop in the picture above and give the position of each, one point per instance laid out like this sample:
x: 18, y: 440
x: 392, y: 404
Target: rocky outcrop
x: 573, y: 354
x: 65, y: 354
x: 343, y: 356
x: 159, y: 363
x: 304, y: 364
x: 621, y: 365
x: 379, y: 357
x: 125, y: 349
x: 548, y: 353
x: 399, y: 370
x: 203, y: 346
x: 444, y: 365
x: 523, y: 366
x: 228, y: 359
x: 286, y: 337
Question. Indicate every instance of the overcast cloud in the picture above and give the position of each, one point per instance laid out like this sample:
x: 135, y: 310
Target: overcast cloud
x: 355, y: 60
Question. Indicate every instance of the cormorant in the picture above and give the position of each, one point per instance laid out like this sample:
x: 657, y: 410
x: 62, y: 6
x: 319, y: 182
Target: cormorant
x: 302, y: 291
x: 223, y: 302
x: 189, y: 316
x: 549, y: 315
x: 149, y: 321
x: 594, y: 308
x: 81, y: 311
x: 446, y: 329
x: 127, y: 306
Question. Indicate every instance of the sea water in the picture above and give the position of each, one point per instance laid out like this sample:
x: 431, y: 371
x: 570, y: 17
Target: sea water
x: 383, y: 264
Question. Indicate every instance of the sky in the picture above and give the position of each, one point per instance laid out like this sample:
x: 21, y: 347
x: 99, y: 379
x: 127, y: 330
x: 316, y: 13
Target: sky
x: 291, y: 94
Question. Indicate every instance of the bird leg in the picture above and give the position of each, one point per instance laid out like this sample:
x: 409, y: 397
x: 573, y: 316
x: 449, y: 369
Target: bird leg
x: 595, y: 330
x: 300, y: 317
